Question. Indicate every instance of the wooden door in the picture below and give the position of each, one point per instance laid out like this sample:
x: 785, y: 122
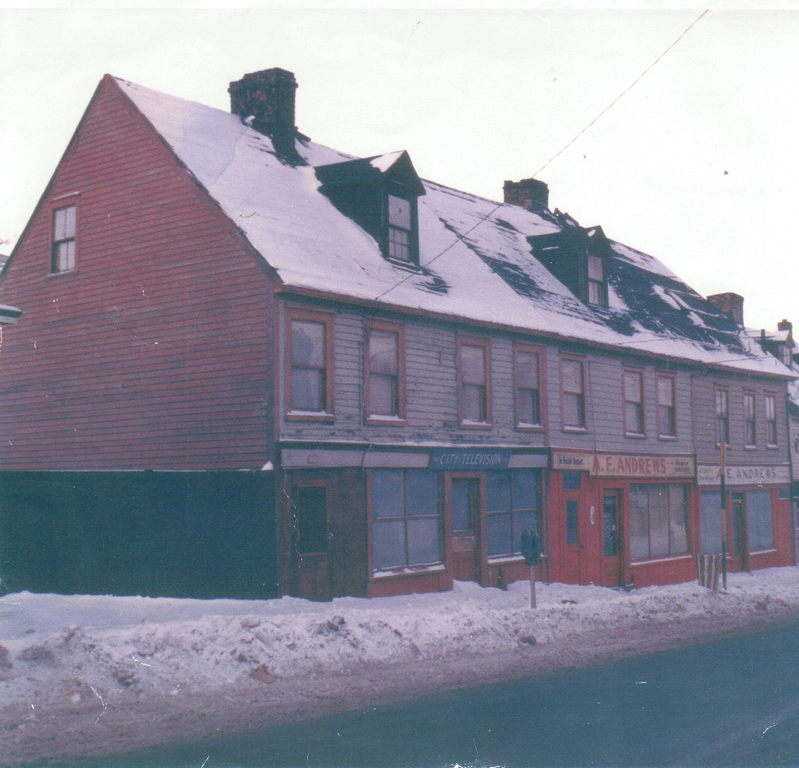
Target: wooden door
x: 740, y: 535
x: 310, y: 562
x: 464, y: 501
x: 612, y: 540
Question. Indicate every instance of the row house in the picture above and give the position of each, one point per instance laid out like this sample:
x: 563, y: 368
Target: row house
x: 252, y: 365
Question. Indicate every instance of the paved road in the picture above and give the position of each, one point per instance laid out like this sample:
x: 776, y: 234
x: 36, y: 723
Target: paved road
x: 732, y: 702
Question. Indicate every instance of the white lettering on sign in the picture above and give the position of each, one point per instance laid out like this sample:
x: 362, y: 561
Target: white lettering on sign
x: 707, y: 474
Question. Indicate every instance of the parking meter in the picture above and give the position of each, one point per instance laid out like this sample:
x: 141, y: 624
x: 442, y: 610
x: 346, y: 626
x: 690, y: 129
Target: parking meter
x: 531, y: 547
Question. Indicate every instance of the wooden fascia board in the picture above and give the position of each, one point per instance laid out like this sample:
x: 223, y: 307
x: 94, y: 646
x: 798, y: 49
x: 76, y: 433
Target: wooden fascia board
x: 334, y: 298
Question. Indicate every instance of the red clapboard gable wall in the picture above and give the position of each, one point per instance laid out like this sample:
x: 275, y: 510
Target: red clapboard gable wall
x: 155, y: 353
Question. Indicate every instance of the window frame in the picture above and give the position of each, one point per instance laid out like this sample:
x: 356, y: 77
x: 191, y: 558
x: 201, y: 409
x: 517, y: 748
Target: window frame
x: 515, y: 512
x: 747, y: 421
x: 673, y: 406
x: 439, y: 516
x: 601, y: 285
x: 393, y: 190
x: 640, y: 406
x: 686, y: 514
x: 771, y: 397
x: 485, y: 344
x: 302, y: 314
x: 719, y: 390
x: 569, y: 427
x: 373, y: 324
x: 530, y: 349
x: 61, y: 204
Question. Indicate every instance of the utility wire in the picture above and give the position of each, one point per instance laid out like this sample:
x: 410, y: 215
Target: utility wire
x: 461, y: 236
x: 624, y: 92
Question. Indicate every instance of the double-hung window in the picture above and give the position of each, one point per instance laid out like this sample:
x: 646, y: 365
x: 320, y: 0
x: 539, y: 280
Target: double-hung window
x: 722, y: 417
x: 528, y: 386
x: 400, y: 232
x: 596, y: 281
x: 572, y: 374
x: 385, y: 372
x: 750, y: 422
x: 633, y: 403
x: 62, y: 258
x: 667, y: 413
x: 309, y: 372
x: 771, y: 421
x: 474, y: 372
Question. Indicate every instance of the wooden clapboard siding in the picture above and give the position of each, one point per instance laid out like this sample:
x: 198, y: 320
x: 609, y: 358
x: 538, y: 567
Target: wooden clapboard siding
x: 155, y: 352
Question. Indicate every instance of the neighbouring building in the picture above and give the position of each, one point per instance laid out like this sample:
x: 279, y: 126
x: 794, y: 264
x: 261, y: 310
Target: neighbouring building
x: 250, y: 365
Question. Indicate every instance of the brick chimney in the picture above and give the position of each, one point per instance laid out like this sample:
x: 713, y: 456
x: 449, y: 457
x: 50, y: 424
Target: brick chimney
x: 268, y: 96
x: 531, y: 194
x: 785, y: 325
x: 731, y: 304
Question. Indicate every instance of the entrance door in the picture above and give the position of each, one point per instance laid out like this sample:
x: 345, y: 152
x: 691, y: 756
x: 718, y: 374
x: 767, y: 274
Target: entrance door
x: 309, y: 553
x: 740, y: 536
x: 611, y: 539
x: 465, y: 505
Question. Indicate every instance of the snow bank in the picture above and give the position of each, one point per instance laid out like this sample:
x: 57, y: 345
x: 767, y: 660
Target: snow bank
x: 85, y: 647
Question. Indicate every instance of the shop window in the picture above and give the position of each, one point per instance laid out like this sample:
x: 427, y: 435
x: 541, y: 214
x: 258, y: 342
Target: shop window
x: 667, y: 411
x: 758, y: 507
x: 528, y: 387
x: 633, y: 403
x: 512, y: 504
x: 310, y: 365
x: 310, y: 519
x: 385, y: 372
x: 573, y: 388
x: 658, y: 521
x: 710, y: 513
x: 64, y: 228
x: 722, y: 417
x: 475, y: 382
x: 771, y: 421
x: 750, y: 423
x: 406, y: 518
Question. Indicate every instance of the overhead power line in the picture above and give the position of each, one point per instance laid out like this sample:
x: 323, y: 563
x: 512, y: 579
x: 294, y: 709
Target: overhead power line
x: 625, y: 91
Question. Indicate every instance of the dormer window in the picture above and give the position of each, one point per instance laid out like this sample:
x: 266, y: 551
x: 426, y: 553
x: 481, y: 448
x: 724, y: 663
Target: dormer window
x: 379, y: 194
x: 596, y: 281
x: 400, y: 228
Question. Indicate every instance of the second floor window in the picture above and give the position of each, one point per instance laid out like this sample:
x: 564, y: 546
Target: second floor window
x: 475, y: 405
x: 385, y: 371
x: 528, y: 397
x: 399, y: 228
x: 771, y: 420
x: 633, y: 403
x: 667, y: 416
x: 573, y: 387
x: 750, y: 424
x: 63, y: 253
x: 722, y: 417
x: 310, y: 380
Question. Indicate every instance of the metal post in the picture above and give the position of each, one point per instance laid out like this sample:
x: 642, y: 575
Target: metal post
x: 723, y: 473
x: 532, y: 586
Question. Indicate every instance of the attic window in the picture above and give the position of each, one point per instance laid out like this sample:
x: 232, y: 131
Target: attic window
x: 596, y: 281
x: 399, y: 228
x: 62, y: 258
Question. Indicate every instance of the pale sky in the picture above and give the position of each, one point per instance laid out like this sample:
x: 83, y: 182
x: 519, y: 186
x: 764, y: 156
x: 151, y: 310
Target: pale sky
x: 696, y: 165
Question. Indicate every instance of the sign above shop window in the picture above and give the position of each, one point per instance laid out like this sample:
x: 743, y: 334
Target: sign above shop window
x: 709, y: 474
x: 623, y: 465
x: 455, y: 459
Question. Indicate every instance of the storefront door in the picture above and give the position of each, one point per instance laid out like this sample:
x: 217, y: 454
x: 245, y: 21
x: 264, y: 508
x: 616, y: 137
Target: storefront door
x: 740, y: 538
x: 464, y: 500
x: 612, y: 538
x: 309, y: 552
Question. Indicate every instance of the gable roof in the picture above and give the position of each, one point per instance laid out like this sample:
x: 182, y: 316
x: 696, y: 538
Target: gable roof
x: 476, y: 255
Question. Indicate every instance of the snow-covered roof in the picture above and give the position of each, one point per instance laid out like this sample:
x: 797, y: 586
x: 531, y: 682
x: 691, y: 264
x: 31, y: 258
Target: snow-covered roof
x: 476, y: 258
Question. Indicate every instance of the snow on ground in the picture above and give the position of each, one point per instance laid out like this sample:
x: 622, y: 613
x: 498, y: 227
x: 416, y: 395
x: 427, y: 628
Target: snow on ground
x: 87, y: 646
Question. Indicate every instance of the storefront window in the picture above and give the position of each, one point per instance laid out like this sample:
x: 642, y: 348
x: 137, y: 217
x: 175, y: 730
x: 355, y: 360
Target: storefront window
x: 406, y: 518
x: 658, y: 521
x: 512, y: 506
x: 758, y: 504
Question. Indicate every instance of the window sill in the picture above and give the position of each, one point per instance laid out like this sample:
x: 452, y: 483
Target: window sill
x: 476, y: 425
x: 635, y: 435
x: 772, y: 447
x: 385, y: 421
x: 661, y: 559
x: 63, y: 273
x: 750, y: 447
x: 575, y: 430
x: 327, y: 418
x: 408, y: 570
x: 521, y: 427
x: 668, y: 438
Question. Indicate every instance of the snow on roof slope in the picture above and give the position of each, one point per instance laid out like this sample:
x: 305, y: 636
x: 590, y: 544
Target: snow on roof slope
x: 476, y: 256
